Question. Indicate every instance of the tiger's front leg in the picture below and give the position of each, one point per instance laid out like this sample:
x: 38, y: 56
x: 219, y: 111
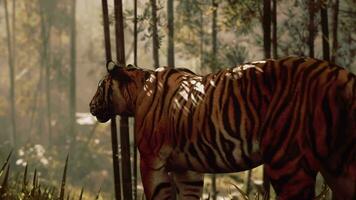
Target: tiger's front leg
x: 156, y: 182
x: 189, y: 184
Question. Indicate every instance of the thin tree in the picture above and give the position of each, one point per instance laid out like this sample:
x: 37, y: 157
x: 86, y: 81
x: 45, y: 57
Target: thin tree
x: 155, y: 38
x: 335, y: 27
x: 134, y: 138
x: 114, y: 140
x: 45, y: 35
x: 170, y: 58
x: 201, y: 32
x: 12, y: 77
x: 325, y: 30
x: 124, y: 122
x: 267, y: 52
x: 72, y: 84
x: 214, y: 30
x: 248, y: 182
x: 213, y: 67
x: 274, y: 28
x: 311, y: 27
x: 170, y: 16
x: 267, y: 28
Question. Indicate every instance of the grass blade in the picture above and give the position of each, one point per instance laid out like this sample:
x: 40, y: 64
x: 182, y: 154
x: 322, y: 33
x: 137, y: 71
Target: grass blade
x: 63, y: 184
x: 81, y: 194
x: 24, y: 183
x: 33, y: 190
x: 98, y: 194
x: 6, y: 162
x: 244, y: 196
x: 5, y: 182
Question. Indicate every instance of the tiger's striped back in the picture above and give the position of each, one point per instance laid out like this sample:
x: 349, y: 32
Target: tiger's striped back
x: 295, y: 115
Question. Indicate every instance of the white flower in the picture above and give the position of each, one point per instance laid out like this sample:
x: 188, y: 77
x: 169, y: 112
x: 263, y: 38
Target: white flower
x: 21, y: 152
x: 19, y: 161
x: 44, y: 161
x: 39, y: 150
x: 96, y: 141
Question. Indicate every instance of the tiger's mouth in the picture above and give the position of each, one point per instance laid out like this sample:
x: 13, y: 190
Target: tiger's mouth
x: 102, y: 118
x: 102, y: 115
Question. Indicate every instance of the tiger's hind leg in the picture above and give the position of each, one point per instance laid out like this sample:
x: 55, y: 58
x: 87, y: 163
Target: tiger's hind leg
x: 189, y: 184
x: 342, y: 181
x: 156, y: 181
x: 292, y: 181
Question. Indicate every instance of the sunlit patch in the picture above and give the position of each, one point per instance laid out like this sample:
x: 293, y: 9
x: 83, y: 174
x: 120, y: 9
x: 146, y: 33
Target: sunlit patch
x: 85, y: 118
x: 212, y: 83
x: 259, y: 62
x: 184, y: 94
x: 238, y: 71
x: 145, y: 88
x: 186, y: 110
x: 199, y: 87
x: 159, y: 69
x: 160, y: 85
x: 178, y: 106
x: 149, y: 93
x: 152, y: 78
x: 194, y: 100
x: 192, y: 81
x: 191, y: 90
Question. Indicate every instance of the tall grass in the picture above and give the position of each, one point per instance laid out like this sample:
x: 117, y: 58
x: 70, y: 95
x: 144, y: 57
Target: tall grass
x: 21, y: 189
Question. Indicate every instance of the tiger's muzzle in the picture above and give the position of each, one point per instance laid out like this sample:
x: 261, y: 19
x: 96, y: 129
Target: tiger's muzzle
x: 101, y: 112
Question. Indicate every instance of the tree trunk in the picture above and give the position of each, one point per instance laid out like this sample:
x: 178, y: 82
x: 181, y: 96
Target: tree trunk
x: 114, y: 140
x: 124, y: 122
x: 214, y: 35
x: 325, y: 30
x: 213, y: 187
x: 311, y: 27
x: 12, y: 78
x: 201, y: 40
x: 170, y: 59
x: 155, y: 39
x: 274, y: 27
x: 213, y: 67
x: 72, y: 85
x: 170, y: 14
x: 248, y: 182
x: 267, y: 28
x: 335, y: 25
x: 134, y: 138
x: 267, y: 52
x: 45, y: 34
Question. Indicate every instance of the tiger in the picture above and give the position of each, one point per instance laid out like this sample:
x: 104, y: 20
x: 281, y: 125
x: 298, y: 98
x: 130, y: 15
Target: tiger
x: 294, y: 115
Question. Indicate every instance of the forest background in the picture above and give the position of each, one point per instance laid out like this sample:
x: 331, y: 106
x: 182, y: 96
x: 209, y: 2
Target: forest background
x: 52, y: 57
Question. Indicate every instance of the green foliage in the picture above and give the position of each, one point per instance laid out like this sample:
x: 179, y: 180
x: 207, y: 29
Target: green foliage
x: 240, y: 16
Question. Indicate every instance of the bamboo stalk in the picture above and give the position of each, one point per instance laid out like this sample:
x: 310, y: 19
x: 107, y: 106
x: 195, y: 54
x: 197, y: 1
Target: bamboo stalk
x: 124, y: 126
x: 12, y: 77
x: 134, y: 138
x: 114, y: 141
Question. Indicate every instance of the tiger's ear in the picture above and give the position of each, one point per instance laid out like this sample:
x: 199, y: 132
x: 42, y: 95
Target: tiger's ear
x: 111, y: 66
x: 130, y: 66
x: 118, y: 72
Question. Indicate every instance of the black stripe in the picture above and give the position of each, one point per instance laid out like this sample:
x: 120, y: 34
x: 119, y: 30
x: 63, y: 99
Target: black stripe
x: 159, y: 188
x: 193, y: 183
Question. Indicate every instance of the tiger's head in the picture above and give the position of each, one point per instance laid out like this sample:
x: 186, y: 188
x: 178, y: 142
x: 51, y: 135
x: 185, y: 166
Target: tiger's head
x: 117, y: 92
